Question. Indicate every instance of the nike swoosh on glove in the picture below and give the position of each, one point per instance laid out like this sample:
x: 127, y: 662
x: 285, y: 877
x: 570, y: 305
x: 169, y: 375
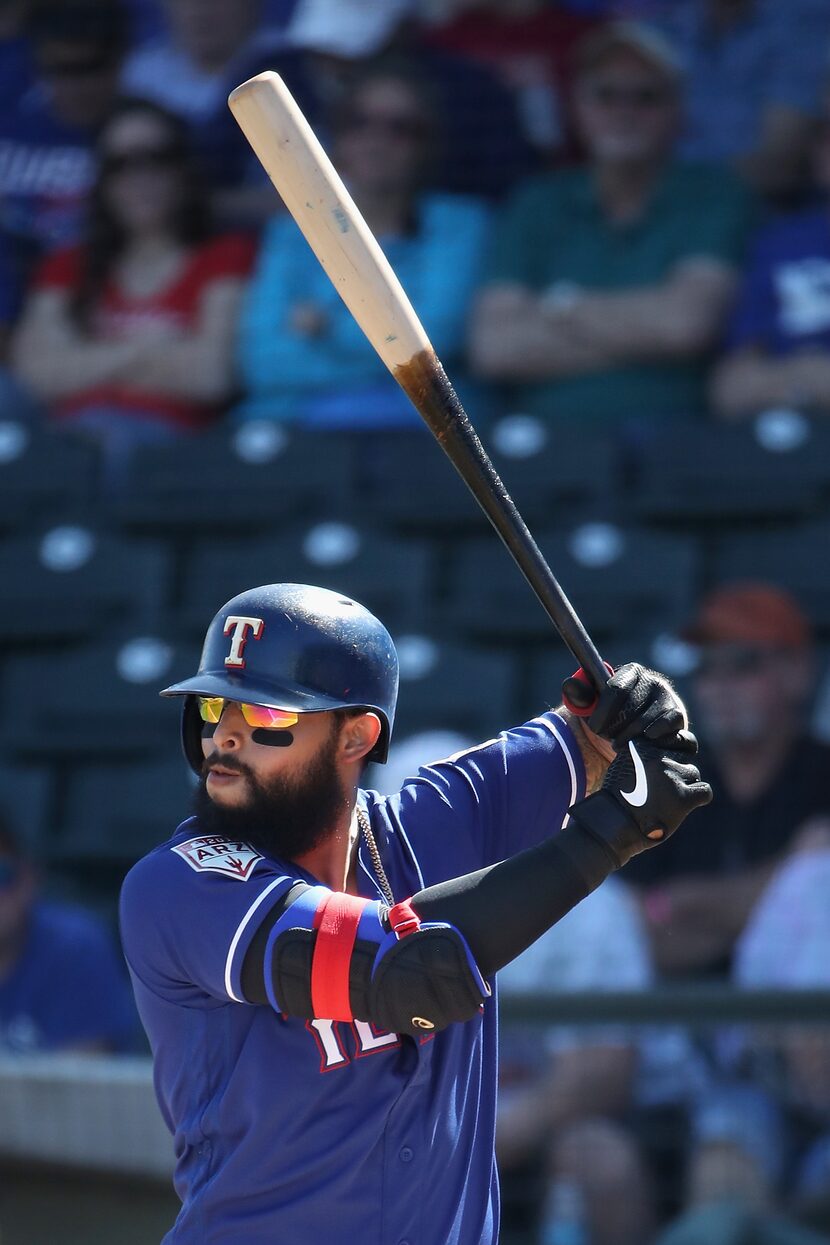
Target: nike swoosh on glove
x: 646, y: 788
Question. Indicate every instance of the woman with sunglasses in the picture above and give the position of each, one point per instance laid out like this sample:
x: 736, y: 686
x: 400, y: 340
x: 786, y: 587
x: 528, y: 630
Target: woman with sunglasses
x: 129, y: 337
x: 301, y: 355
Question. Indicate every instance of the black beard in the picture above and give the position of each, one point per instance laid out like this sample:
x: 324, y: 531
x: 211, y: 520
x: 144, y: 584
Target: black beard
x: 281, y: 817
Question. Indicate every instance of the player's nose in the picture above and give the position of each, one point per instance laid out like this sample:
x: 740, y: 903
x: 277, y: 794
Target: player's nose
x: 230, y: 728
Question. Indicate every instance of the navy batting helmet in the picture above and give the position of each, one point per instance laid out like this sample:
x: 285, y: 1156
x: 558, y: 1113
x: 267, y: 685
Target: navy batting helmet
x: 291, y: 646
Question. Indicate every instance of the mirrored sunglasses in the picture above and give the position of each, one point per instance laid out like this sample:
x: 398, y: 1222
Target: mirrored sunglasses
x: 262, y: 716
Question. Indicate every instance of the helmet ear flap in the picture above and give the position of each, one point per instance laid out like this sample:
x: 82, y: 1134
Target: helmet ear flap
x: 192, y: 734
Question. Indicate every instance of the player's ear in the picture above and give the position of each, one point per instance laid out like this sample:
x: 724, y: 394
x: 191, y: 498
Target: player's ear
x: 359, y: 736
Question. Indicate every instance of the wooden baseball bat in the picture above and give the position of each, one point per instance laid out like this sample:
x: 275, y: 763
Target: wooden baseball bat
x: 314, y: 194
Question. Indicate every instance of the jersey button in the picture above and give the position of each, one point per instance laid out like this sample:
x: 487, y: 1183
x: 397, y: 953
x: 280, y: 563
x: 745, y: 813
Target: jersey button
x: 406, y: 1156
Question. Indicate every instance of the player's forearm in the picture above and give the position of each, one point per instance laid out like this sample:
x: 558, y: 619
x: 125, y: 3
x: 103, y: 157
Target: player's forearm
x: 504, y: 908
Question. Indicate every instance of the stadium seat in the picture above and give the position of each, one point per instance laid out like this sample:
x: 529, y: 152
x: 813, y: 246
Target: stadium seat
x: 43, y: 474
x: 71, y: 581
x: 717, y: 474
x: 236, y: 477
x: 794, y: 557
x: 100, y: 699
x: 551, y: 470
x: 116, y: 813
x: 392, y: 577
x: 27, y: 802
x: 619, y: 580
x: 410, y: 483
x: 450, y: 686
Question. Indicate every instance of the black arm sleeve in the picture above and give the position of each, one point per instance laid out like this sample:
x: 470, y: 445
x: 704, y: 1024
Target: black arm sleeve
x: 504, y: 908
x: 499, y: 910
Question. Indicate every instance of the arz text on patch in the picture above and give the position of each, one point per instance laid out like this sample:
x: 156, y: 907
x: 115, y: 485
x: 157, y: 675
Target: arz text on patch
x: 214, y: 853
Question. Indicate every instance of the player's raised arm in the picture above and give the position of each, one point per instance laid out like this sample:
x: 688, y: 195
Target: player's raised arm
x: 422, y: 964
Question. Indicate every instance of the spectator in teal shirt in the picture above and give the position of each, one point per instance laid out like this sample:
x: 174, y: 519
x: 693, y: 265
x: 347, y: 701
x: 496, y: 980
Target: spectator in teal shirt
x: 301, y: 355
x: 608, y: 284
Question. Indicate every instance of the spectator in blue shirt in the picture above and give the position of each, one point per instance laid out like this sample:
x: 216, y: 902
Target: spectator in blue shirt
x: 754, y: 76
x: 778, y: 345
x: 47, y: 163
x: 301, y: 354
x: 62, y: 985
x: 16, y: 67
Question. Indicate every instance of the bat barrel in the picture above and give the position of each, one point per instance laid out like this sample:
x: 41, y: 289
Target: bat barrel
x: 340, y: 238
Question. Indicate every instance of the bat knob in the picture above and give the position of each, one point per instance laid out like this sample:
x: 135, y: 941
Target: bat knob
x: 579, y: 694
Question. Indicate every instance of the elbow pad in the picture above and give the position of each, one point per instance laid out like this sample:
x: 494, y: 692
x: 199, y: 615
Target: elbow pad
x: 337, y: 957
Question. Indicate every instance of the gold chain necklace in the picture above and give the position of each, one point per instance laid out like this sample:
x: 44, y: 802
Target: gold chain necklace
x: 372, y: 847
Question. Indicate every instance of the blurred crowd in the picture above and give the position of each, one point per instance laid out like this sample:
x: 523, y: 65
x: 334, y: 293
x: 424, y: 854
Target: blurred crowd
x: 612, y: 216
x: 609, y: 214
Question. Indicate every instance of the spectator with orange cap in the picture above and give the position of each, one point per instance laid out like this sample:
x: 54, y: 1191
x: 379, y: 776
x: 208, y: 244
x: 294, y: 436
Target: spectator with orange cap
x: 752, y: 687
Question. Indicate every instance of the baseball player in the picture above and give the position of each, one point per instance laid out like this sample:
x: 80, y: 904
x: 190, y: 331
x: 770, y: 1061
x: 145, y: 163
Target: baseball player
x: 314, y: 964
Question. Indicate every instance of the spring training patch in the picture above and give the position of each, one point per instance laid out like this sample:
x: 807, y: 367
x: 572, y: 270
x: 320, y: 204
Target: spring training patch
x: 219, y: 855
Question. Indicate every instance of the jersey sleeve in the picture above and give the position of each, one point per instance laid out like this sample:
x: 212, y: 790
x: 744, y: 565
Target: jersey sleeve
x: 491, y: 801
x: 188, y: 912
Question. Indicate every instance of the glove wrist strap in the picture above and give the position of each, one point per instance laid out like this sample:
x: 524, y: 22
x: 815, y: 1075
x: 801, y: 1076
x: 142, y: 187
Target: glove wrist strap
x: 609, y: 824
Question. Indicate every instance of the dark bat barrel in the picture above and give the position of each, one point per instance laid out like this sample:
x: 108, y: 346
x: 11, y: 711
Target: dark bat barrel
x: 426, y: 383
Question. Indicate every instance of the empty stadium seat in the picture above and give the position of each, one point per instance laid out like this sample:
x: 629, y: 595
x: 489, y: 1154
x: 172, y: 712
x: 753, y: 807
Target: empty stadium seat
x: 27, y: 802
x: 449, y: 686
x: 410, y: 483
x: 43, y: 474
x: 619, y: 580
x: 551, y: 470
x: 116, y: 813
x: 96, y: 700
x: 776, y: 467
x: 255, y: 473
x: 72, y: 581
x: 390, y: 576
x: 794, y: 557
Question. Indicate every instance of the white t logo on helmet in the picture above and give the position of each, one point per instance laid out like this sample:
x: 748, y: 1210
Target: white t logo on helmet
x: 241, y: 627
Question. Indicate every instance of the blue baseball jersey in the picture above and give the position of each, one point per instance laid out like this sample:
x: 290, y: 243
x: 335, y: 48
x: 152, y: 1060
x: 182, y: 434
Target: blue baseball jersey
x: 287, y: 1129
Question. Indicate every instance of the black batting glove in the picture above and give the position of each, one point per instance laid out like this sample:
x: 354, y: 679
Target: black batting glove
x: 646, y: 789
x: 634, y: 703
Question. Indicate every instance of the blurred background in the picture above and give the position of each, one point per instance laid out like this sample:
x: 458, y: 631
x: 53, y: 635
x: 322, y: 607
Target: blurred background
x: 613, y: 218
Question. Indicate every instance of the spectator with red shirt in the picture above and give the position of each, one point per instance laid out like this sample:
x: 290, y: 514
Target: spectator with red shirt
x: 129, y: 338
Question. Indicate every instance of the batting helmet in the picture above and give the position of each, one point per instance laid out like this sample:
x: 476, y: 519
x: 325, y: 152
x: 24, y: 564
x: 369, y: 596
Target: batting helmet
x: 291, y: 646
